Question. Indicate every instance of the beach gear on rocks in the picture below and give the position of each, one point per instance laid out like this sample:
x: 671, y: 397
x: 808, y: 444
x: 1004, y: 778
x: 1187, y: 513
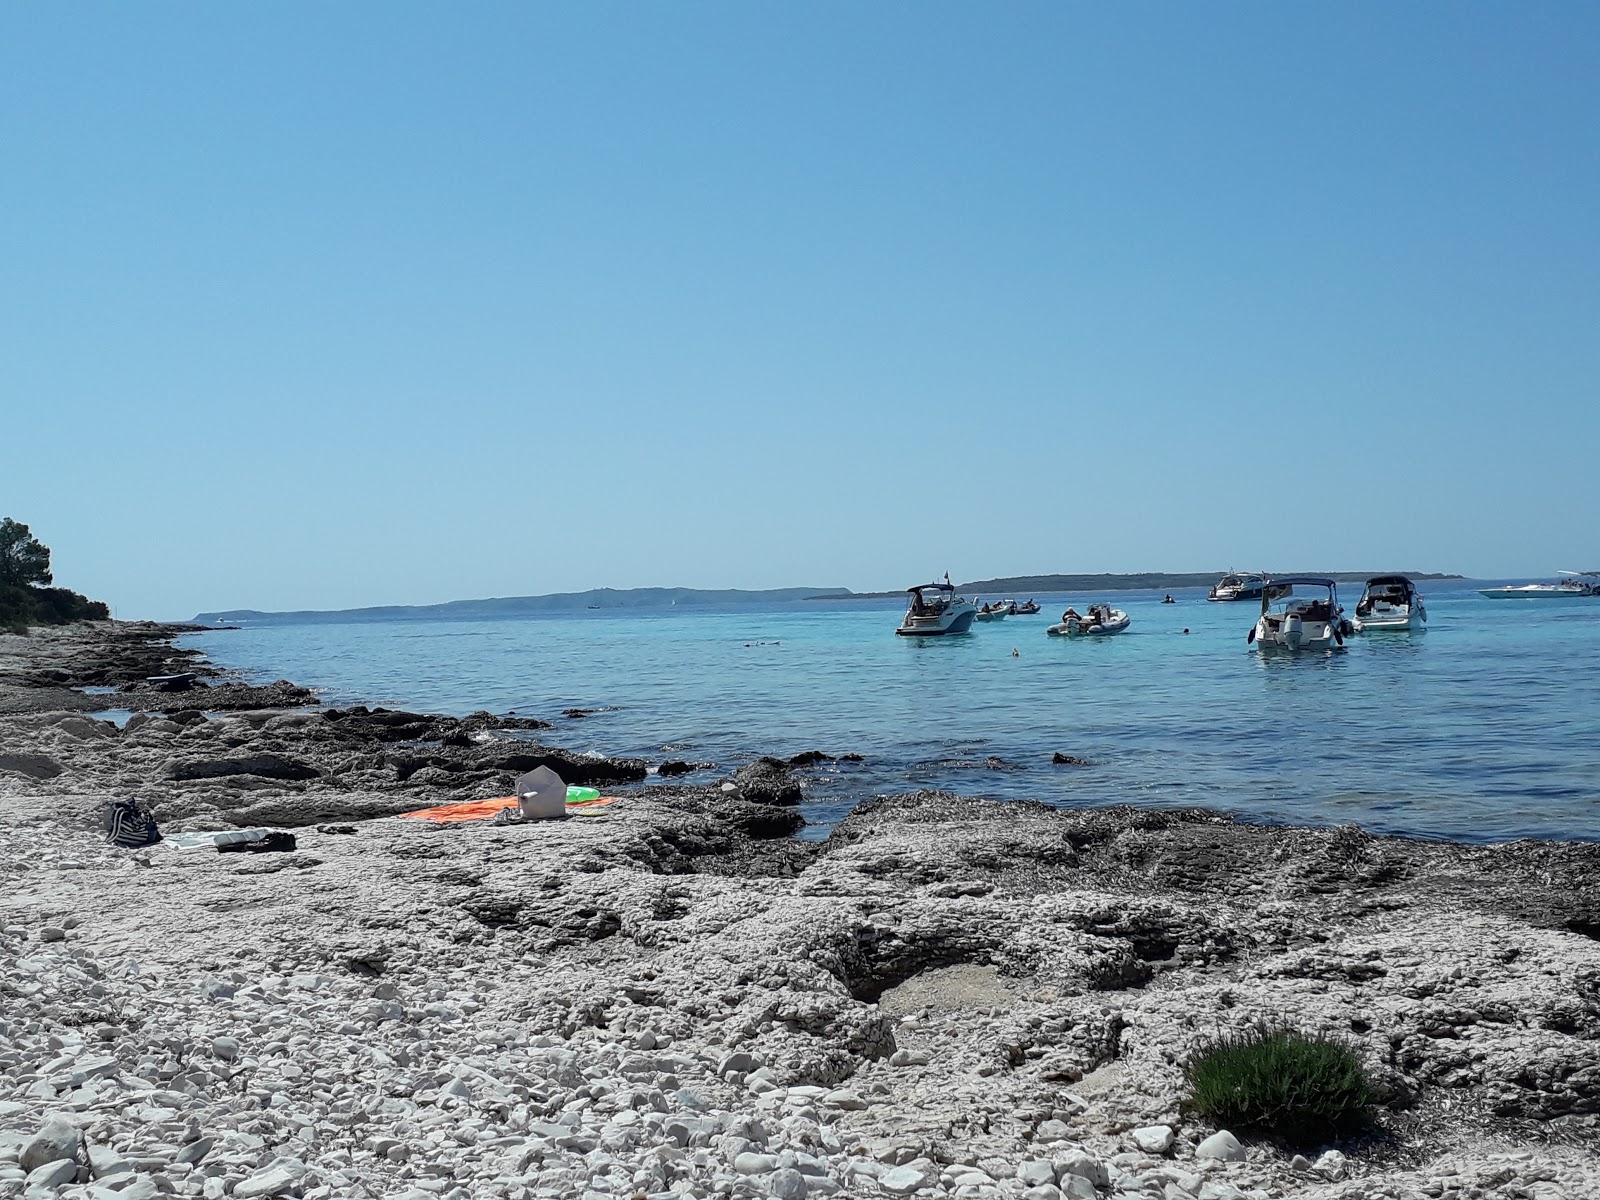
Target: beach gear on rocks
x: 467, y: 810
x: 541, y: 795
x: 128, y: 824
x: 580, y: 801
x: 234, y: 840
x: 275, y: 840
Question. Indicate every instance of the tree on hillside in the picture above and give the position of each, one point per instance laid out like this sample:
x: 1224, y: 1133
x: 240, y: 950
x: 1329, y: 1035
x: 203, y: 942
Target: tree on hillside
x: 24, y: 559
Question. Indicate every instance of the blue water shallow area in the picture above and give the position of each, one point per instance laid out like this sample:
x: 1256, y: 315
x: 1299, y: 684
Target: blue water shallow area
x: 1486, y: 727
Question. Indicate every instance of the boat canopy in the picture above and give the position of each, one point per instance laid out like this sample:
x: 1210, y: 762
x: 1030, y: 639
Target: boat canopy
x: 1581, y: 574
x: 938, y: 587
x: 1295, y: 580
x: 1389, y: 580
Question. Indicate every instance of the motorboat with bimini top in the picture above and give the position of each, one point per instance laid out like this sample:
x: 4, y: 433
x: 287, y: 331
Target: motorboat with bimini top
x: 1576, y: 584
x: 1390, y: 602
x: 1291, y: 621
x: 935, y: 610
x: 1238, y: 587
x: 1100, y: 621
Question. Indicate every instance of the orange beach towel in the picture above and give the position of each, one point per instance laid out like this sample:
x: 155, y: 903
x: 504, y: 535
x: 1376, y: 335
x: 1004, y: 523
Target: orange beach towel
x: 482, y: 810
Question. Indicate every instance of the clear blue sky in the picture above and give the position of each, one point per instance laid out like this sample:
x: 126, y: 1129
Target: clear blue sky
x: 310, y: 305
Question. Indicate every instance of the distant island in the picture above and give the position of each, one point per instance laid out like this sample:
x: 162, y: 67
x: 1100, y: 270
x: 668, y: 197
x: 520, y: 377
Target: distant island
x: 644, y: 598
x: 513, y: 606
x: 1034, y: 585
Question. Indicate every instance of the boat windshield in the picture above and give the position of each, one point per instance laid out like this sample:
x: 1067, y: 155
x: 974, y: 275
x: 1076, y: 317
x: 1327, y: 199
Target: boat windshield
x: 930, y: 597
x: 1313, y: 597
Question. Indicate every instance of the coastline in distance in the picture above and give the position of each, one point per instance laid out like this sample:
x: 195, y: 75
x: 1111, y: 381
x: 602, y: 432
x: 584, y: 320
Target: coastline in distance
x: 641, y: 598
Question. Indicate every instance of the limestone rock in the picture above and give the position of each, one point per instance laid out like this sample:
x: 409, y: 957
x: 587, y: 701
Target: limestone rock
x: 1153, y: 1139
x: 1221, y: 1146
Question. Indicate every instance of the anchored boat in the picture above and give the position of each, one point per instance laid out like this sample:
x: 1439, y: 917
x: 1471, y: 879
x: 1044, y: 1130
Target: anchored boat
x: 1238, y: 587
x: 1300, y: 622
x: 1100, y: 621
x: 1576, y: 584
x: 994, y: 612
x: 1390, y: 602
x: 935, y: 611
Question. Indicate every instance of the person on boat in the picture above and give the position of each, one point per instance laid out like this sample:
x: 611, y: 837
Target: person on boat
x: 1169, y: 599
x: 1070, y: 615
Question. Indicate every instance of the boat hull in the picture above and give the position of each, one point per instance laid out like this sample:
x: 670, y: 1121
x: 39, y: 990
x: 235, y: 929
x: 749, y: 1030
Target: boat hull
x: 944, y: 625
x: 1536, y: 593
x: 1392, y: 622
x: 1296, y: 636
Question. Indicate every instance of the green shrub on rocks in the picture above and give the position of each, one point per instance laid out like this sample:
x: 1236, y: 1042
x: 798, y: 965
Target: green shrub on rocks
x: 1301, y: 1089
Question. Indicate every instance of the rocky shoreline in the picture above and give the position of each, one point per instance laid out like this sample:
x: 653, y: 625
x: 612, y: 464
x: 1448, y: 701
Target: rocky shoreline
x: 672, y: 997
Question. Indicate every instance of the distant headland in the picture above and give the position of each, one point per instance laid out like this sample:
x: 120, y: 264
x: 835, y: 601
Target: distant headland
x: 513, y: 606
x: 646, y: 598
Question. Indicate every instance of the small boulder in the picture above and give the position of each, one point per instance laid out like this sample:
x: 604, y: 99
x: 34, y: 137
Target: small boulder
x: 1153, y: 1139
x: 52, y: 1174
x: 1036, y: 1171
x: 1222, y: 1146
x: 266, y: 766
x: 808, y: 758
x: 902, y: 1181
x: 34, y: 766
x: 55, y: 1141
x: 767, y: 781
x: 1332, y: 1165
x: 86, y: 728
x: 678, y: 766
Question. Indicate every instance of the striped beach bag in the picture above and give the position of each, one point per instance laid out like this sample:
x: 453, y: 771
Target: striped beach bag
x: 128, y: 824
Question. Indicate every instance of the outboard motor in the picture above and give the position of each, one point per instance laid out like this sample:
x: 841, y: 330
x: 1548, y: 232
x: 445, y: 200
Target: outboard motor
x: 1293, y: 629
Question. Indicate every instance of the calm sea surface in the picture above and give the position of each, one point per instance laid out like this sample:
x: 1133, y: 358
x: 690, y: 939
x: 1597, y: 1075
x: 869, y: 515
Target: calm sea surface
x: 1483, y: 728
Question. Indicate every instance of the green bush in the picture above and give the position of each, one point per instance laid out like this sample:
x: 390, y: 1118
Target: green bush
x: 1301, y: 1089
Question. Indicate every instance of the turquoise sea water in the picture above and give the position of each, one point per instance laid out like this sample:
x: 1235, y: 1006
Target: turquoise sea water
x: 1485, y: 727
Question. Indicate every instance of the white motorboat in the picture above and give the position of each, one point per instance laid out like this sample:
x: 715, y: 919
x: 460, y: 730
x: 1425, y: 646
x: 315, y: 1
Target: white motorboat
x: 1390, y: 602
x: 1238, y: 587
x: 1100, y: 621
x: 935, y: 611
x: 1300, y: 622
x: 1576, y: 584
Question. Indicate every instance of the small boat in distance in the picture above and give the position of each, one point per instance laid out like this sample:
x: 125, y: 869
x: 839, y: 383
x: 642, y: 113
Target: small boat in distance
x: 1300, y: 622
x: 1576, y: 583
x: 1233, y: 586
x: 935, y: 610
x: 1025, y: 609
x: 1390, y: 602
x: 1100, y: 621
x: 994, y: 612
